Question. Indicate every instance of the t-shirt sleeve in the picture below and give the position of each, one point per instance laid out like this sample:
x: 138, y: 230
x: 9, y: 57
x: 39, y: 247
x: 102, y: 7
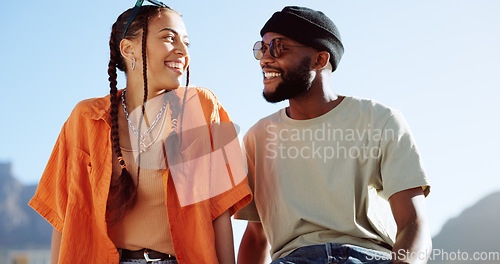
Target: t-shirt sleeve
x: 50, y: 199
x: 249, y: 212
x: 401, y: 165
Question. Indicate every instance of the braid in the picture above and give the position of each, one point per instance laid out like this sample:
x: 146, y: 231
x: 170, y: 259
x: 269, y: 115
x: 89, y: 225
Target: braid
x: 144, y: 62
x: 184, y: 98
x: 145, y: 98
x: 122, y: 193
x: 174, y: 103
x: 174, y: 140
x: 183, y: 104
x: 187, y: 77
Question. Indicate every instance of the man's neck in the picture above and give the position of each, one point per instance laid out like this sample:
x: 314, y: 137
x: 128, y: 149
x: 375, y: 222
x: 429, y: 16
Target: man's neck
x: 318, y: 101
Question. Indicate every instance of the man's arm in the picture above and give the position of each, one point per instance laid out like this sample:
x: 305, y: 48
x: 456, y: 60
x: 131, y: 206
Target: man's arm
x: 413, y: 241
x: 254, y: 246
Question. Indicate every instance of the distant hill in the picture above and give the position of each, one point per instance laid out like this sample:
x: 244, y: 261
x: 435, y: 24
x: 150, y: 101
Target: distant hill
x: 476, y: 229
x: 20, y: 226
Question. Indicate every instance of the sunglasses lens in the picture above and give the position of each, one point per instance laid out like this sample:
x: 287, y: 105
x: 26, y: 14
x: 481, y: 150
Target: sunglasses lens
x: 276, y: 48
x: 258, y: 51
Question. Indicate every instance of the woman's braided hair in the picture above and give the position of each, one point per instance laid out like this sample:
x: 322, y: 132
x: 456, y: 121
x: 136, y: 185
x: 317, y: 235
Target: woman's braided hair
x: 123, y: 191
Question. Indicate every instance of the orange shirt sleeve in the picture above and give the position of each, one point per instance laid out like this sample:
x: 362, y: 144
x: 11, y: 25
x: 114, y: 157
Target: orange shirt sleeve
x: 67, y: 162
x: 50, y: 199
x: 225, y: 138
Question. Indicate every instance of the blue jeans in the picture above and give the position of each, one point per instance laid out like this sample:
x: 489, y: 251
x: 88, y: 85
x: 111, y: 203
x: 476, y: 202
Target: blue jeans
x: 331, y: 253
x: 143, y: 261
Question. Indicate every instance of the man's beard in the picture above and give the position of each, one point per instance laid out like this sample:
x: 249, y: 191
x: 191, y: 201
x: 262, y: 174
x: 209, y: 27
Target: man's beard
x: 295, y: 82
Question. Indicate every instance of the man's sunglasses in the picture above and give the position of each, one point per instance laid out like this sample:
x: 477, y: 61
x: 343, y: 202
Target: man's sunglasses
x: 276, y: 48
x: 135, y: 10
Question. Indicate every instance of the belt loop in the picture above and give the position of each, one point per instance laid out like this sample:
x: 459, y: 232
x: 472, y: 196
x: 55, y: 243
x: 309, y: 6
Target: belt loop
x: 333, y: 253
x: 120, y: 253
x: 328, y: 252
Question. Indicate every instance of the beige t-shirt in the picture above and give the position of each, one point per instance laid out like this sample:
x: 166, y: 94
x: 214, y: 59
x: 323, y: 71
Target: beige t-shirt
x: 146, y: 224
x: 327, y: 179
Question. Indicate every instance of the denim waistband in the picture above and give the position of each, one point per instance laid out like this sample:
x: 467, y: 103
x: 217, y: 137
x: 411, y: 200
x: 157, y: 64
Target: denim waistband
x: 335, y: 253
x: 339, y: 253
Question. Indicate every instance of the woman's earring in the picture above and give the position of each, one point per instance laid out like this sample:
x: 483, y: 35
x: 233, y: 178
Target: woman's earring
x: 133, y: 63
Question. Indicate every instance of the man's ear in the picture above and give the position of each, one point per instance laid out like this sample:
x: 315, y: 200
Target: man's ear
x: 321, y: 60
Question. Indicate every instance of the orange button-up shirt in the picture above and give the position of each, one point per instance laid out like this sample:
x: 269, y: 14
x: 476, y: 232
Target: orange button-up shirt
x: 73, y: 191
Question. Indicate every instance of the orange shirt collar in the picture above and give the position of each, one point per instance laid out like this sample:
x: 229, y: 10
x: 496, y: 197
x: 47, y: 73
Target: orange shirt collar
x: 100, y: 109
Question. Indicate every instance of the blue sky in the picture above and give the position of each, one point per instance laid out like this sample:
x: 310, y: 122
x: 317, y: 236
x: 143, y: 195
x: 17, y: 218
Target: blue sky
x: 436, y: 61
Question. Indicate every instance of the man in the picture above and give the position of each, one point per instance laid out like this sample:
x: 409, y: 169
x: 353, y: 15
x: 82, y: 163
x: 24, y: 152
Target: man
x: 327, y: 170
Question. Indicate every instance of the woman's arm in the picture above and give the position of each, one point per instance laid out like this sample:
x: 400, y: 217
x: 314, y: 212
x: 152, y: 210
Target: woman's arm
x: 55, y: 247
x: 224, y: 244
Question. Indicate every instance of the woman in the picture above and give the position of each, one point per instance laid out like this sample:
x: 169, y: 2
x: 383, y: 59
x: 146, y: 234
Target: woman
x: 126, y: 183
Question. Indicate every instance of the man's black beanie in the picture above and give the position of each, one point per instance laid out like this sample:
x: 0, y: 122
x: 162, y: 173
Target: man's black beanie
x: 309, y: 27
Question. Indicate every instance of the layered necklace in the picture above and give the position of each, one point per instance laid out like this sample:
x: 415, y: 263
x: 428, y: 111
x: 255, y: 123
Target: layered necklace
x: 142, y: 136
